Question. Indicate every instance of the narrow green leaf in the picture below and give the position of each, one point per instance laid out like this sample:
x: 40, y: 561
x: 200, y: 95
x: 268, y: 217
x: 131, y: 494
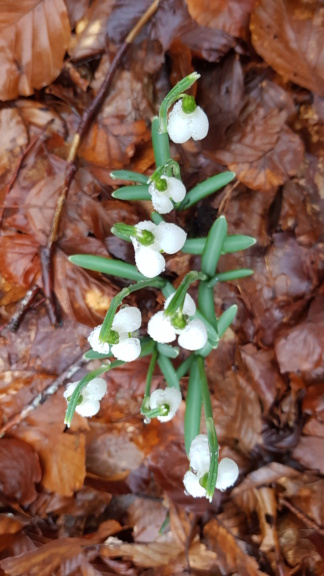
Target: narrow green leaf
x: 169, y: 351
x: 139, y: 192
x: 156, y: 218
x: 168, y: 371
x: 232, y: 243
x: 206, y: 188
x: 226, y: 319
x: 107, y: 266
x: 93, y: 355
x: 237, y: 242
x: 213, y: 246
x: 194, y: 246
x: 230, y: 275
x: 184, y: 367
x: 193, y: 407
x: 129, y: 176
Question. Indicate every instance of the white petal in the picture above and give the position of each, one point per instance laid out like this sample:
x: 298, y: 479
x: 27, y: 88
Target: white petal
x: 199, y: 124
x: 128, y: 319
x: 161, y: 203
x: 149, y: 261
x: 179, y: 128
x: 96, y: 345
x: 88, y: 408
x: 70, y: 389
x: 199, y: 455
x: 228, y: 472
x: 194, y: 336
x: 189, y: 306
x: 192, y: 486
x: 161, y: 329
x: 170, y: 237
x: 176, y: 189
x: 127, y: 350
x: 95, y: 390
x: 169, y: 396
x: 146, y: 225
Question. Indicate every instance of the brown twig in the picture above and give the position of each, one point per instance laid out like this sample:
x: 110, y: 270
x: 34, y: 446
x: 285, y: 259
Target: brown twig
x: 84, y: 125
x: 42, y: 396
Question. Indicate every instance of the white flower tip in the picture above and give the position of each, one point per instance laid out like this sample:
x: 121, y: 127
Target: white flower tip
x: 193, y: 486
x: 149, y: 261
x: 160, y: 328
x: 228, y: 472
x: 170, y: 237
x: 128, y: 319
x: 170, y: 397
x: 96, y: 345
x: 182, y: 126
x: 194, y: 336
x: 127, y: 350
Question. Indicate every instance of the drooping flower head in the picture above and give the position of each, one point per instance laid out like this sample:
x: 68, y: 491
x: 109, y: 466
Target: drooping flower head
x: 164, y: 237
x: 121, y: 342
x: 89, y: 399
x: 163, y: 191
x: 199, y: 460
x: 164, y: 329
x: 167, y: 400
x: 187, y: 120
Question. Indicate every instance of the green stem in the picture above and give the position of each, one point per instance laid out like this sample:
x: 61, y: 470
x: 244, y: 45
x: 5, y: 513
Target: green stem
x: 193, y: 407
x: 76, y: 394
x: 150, y: 371
x: 161, y: 147
x: 179, y: 297
x: 174, y: 95
x: 182, y: 370
x: 168, y: 372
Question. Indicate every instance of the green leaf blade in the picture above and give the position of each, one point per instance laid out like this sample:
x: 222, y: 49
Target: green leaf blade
x: 206, y: 188
x: 107, y: 266
x: 130, y: 193
x: 129, y: 176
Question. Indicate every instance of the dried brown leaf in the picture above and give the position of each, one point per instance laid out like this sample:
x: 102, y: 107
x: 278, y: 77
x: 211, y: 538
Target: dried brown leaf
x: 20, y: 471
x: 288, y: 34
x: 309, y: 452
x: 263, y: 152
x: 150, y: 555
x: 300, y: 349
x: 19, y: 259
x: 34, y: 36
x: 231, y: 16
x: 232, y: 555
x: 62, y: 455
x: 13, y: 140
x: 296, y: 546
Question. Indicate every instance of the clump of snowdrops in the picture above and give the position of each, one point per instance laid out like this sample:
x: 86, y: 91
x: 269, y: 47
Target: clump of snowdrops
x: 193, y: 324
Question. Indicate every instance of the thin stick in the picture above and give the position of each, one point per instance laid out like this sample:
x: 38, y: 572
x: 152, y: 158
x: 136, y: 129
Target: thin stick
x: 84, y: 125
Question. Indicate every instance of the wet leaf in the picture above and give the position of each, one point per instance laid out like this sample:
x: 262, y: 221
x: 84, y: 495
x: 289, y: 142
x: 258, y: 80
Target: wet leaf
x: 34, y: 37
x: 20, y: 471
x: 288, y: 35
x: 232, y: 16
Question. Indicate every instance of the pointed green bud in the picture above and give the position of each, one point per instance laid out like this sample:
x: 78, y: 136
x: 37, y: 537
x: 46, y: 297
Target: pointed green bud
x: 188, y: 104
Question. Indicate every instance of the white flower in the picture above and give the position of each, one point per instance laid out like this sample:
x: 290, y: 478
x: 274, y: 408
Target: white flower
x: 90, y: 396
x: 161, y: 199
x: 183, y: 126
x: 199, y: 458
x: 170, y: 398
x: 127, y: 348
x: 168, y: 238
x: 192, y: 337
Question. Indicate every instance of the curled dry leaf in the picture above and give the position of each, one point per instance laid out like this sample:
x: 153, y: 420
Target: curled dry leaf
x: 20, y: 471
x: 289, y: 36
x: 34, y: 36
x: 232, y: 16
x: 19, y: 259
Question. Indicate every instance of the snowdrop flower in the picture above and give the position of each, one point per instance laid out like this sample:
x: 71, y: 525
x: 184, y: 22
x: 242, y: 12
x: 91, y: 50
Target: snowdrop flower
x: 199, y: 457
x: 167, y: 238
x: 120, y: 342
x: 168, y: 399
x: 164, y: 189
x: 193, y: 334
x: 186, y: 120
x: 89, y: 399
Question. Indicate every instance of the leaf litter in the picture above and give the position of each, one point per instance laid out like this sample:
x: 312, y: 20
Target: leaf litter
x: 93, y: 500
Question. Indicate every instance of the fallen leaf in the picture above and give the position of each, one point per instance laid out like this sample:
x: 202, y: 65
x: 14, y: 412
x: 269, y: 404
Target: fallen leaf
x: 13, y: 140
x: 309, y: 452
x: 288, y: 35
x: 34, y: 37
x: 150, y: 555
x: 232, y: 16
x: 20, y: 471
